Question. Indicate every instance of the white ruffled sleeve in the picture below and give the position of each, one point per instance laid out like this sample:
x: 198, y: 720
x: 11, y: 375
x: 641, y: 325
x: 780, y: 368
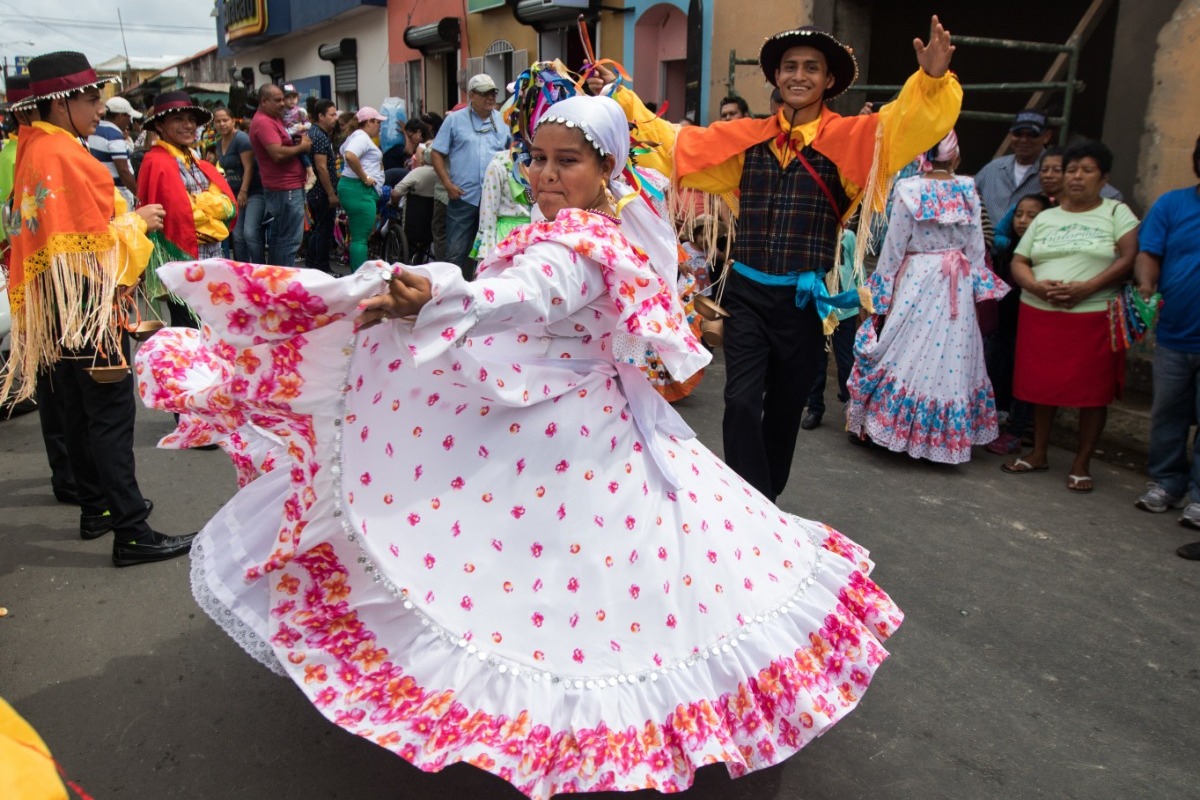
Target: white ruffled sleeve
x: 546, y: 283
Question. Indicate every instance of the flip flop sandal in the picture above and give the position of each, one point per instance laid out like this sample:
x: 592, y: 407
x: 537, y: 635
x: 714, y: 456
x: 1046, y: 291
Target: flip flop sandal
x: 1020, y: 466
x: 1080, y: 483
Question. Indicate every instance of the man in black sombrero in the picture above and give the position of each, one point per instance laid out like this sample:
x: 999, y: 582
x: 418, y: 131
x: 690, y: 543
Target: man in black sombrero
x: 77, y: 251
x: 791, y: 180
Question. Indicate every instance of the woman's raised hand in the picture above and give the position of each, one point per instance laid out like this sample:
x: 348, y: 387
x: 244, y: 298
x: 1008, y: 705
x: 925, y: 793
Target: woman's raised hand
x: 407, y: 294
x: 934, y: 57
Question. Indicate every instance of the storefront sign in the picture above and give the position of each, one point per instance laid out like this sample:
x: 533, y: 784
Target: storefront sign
x: 474, y: 6
x: 245, y: 18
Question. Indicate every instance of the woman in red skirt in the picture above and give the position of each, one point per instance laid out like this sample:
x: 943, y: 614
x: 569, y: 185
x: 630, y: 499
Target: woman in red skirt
x: 1069, y: 264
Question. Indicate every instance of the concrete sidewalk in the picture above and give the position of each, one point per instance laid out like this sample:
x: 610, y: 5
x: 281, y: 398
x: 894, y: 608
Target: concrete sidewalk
x: 1051, y: 648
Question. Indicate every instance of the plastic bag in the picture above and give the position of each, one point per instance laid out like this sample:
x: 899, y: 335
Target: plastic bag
x: 391, y: 131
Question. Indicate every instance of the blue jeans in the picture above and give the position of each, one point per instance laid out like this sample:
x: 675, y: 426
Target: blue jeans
x: 247, y: 233
x: 287, y: 227
x: 843, y: 354
x: 1176, y: 408
x: 462, y: 225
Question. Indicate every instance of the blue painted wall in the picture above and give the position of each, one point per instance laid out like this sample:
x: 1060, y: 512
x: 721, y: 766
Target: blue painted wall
x: 640, y: 7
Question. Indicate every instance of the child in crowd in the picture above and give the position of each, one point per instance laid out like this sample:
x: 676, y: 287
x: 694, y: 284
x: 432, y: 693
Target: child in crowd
x: 1000, y: 347
x: 295, y: 119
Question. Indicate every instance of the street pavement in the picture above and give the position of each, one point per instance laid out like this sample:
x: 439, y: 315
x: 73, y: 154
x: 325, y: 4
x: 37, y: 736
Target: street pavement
x: 1051, y: 648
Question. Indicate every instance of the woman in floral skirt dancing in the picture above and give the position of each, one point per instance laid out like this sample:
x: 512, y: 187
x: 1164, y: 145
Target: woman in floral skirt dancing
x: 469, y: 528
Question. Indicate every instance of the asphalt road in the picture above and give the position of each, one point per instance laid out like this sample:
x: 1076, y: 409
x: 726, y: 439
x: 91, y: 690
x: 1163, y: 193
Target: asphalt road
x: 1051, y: 648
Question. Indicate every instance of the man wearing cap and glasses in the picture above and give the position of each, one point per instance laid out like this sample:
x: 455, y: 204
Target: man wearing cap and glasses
x: 791, y: 180
x: 76, y: 250
x: 108, y: 145
x: 1005, y: 180
x: 468, y: 138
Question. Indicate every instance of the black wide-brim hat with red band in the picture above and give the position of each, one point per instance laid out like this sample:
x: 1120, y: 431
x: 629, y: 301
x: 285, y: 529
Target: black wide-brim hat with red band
x: 838, y: 56
x: 17, y: 94
x: 57, y: 75
x: 171, y: 102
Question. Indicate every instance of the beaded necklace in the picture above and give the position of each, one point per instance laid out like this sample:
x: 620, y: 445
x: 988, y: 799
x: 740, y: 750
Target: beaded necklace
x: 615, y: 220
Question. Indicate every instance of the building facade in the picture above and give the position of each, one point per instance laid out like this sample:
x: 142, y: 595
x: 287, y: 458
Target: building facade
x: 324, y: 48
x: 436, y: 45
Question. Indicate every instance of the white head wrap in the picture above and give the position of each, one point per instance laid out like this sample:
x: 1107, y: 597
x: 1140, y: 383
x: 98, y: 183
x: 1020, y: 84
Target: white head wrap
x: 604, y: 126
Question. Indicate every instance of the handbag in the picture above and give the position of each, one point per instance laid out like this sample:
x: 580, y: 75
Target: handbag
x: 1131, y: 317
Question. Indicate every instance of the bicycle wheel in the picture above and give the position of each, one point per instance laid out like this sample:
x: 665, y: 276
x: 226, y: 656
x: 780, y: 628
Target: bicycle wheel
x: 394, y: 247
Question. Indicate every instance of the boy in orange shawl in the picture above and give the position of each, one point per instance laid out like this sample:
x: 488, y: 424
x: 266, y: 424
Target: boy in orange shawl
x: 791, y: 180
x: 75, y: 250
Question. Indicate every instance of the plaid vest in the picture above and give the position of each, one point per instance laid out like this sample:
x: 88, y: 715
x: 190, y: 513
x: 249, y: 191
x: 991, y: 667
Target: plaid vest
x: 786, y: 223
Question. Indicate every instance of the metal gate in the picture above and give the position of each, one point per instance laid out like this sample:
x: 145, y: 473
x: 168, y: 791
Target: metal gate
x: 1054, y: 82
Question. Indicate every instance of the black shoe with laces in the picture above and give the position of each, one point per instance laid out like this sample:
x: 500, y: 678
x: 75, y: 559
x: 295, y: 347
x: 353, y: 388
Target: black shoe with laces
x: 156, y: 547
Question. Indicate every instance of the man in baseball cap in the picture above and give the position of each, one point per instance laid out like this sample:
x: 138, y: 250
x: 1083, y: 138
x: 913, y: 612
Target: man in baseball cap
x: 462, y: 150
x: 110, y: 146
x: 1005, y: 180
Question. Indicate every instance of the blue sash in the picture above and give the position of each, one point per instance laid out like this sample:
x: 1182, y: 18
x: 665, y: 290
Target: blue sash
x: 809, y: 286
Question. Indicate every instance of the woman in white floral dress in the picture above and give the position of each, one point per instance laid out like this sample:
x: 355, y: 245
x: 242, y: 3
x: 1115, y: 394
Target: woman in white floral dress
x: 921, y: 386
x: 471, y: 531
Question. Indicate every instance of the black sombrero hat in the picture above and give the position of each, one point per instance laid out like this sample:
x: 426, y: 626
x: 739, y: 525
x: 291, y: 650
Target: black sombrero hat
x: 840, y: 57
x: 57, y: 75
x: 18, y: 96
x: 170, y: 102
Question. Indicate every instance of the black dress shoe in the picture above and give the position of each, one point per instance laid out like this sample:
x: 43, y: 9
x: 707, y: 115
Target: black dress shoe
x: 1189, y: 551
x: 159, y: 547
x: 810, y: 421
x: 93, y: 526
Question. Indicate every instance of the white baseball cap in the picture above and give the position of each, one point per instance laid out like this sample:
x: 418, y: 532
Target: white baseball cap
x: 481, y: 83
x: 119, y: 105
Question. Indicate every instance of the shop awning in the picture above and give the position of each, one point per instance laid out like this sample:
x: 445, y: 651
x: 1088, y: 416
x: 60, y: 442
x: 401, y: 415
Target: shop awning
x: 436, y: 37
x: 550, y: 14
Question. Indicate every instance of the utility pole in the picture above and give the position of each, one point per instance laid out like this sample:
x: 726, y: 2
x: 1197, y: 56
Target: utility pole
x: 128, y: 69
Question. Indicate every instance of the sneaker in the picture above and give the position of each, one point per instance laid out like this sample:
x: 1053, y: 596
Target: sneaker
x: 1191, y: 516
x: 1156, y: 500
x: 1004, y: 445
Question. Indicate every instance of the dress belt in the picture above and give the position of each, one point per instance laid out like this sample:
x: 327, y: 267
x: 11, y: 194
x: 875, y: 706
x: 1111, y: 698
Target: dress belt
x: 954, y: 264
x: 809, y: 286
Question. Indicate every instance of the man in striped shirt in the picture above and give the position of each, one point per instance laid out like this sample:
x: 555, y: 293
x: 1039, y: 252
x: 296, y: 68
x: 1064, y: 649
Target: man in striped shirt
x: 108, y: 145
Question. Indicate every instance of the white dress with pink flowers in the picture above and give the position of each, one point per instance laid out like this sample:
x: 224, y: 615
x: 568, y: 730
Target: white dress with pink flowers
x: 482, y: 536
